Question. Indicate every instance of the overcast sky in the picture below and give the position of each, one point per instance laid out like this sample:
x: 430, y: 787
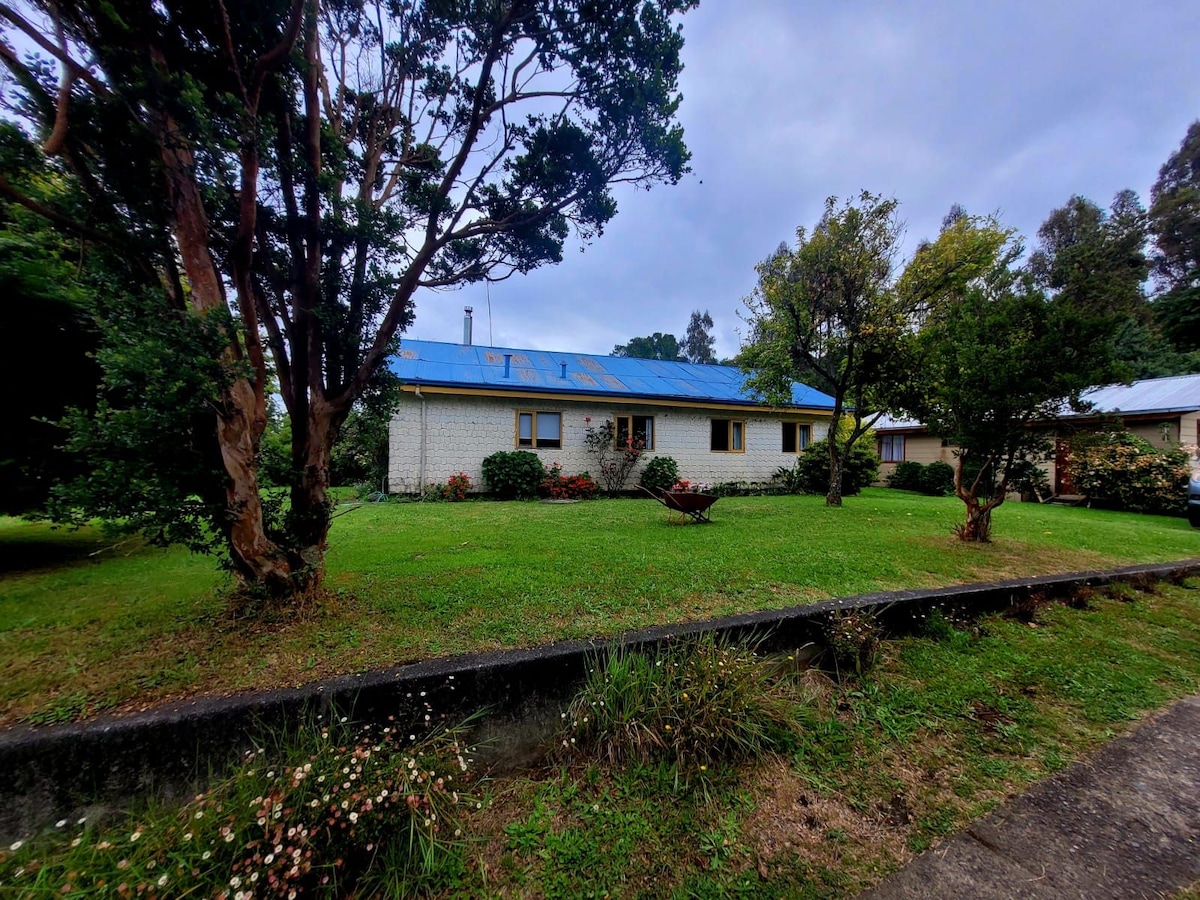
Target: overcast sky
x: 1005, y: 107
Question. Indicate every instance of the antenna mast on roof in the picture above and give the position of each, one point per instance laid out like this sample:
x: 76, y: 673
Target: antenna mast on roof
x: 487, y: 285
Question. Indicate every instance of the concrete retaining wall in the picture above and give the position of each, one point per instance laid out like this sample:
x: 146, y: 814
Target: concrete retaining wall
x: 62, y: 771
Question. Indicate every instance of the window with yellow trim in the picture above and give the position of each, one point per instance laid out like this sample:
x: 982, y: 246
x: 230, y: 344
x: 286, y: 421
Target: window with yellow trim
x: 638, y: 428
x: 539, y: 429
x: 728, y: 436
x: 796, y: 436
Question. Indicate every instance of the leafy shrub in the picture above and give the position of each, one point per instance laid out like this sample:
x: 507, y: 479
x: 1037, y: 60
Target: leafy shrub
x: 906, y: 476
x: 1121, y: 470
x: 812, y: 468
x: 936, y: 479
x: 788, y: 480
x: 304, y: 821
x: 1029, y: 479
x: 558, y: 486
x: 513, y: 474
x: 692, y: 705
x: 660, y: 473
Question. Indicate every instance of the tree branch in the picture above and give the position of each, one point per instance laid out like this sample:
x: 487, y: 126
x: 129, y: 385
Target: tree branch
x: 30, y: 31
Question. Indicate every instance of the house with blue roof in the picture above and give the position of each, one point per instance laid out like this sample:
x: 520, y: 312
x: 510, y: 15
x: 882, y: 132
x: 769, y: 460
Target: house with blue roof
x: 462, y: 402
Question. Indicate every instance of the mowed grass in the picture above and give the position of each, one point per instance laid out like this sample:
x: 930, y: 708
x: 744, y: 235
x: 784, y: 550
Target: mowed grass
x: 88, y: 624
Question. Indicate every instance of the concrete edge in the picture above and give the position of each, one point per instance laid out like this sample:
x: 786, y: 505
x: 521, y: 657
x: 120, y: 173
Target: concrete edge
x: 52, y: 772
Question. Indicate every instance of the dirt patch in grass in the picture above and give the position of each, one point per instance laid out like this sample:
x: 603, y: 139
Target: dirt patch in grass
x: 792, y: 818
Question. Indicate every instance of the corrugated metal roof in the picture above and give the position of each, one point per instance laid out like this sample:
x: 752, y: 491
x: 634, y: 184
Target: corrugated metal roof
x: 470, y: 366
x: 1178, y: 393
x: 890, y: 423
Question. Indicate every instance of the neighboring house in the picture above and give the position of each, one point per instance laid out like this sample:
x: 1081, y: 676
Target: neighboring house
x: 1164, y: 411
x: 461, y: 403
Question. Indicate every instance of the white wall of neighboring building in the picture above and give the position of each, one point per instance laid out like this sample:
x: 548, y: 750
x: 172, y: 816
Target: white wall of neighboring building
x: 456, y: 433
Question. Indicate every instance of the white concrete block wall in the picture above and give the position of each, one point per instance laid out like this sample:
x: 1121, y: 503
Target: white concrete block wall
x: 460, y: 432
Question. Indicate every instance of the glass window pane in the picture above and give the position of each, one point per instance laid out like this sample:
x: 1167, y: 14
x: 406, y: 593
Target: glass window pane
x: 525, y: 426
x: 645, y: 430
x: 622, y: 431
x: 805, y: 436
x: 789, y: 437
x: 549, y: 426
x: 720, y: 434
x: 737, y: 436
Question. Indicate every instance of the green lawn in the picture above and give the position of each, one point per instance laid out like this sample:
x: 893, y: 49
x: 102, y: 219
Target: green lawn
x: 87, y: 624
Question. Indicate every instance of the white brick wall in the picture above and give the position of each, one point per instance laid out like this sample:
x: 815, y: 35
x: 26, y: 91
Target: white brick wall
x: 461, y: 431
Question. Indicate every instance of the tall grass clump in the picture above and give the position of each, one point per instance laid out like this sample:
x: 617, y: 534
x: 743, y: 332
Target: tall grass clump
x: 313, y: 820
x: 692, y: 705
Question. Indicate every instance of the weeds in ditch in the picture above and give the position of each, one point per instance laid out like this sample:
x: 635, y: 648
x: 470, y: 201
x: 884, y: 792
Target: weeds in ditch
x: 853, y: 637
x: 313, y: 821
x: 693, y: 705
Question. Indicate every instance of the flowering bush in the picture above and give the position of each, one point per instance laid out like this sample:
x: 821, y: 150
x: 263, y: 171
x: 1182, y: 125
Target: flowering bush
x: 558, y: 486
x: 308, y: 825
x: 457, y: 487
x: 616, y: 463
x: 1119, y: 469
x: 683, y: 486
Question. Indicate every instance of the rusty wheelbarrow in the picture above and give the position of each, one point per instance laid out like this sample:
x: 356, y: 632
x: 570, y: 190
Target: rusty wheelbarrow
x: 685, y: 504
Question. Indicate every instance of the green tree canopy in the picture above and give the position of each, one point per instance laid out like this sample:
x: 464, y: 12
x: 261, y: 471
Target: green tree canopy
x: 653, y: 346
x: 1096, y: 260
x: 1175, y: 226
x: 994, y: 356
x: 828, y: 307
x: 292, y: 175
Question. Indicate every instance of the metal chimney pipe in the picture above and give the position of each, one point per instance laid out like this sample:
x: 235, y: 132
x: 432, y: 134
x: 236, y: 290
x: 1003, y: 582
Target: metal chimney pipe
x: 507, y: 363
x: 467, y: 321
x: 564, y: 370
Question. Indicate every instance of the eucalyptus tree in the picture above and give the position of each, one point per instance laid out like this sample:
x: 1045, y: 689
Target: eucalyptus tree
x: 295, y: 174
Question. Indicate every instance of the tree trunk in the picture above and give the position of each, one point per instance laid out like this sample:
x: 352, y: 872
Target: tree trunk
x: 834, y: 496
x: 260, y: 564
x: 978, y: 526
x: 310, y: 517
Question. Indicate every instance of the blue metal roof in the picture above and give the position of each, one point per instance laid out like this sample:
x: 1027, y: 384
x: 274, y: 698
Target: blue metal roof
x: 468, y: 366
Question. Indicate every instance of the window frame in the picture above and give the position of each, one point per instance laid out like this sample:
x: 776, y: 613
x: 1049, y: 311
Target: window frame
x: 729, y: 448
x: 889, y: 440
x: 534, y: 442
x: 796, y: 429
x: 630, y: 417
